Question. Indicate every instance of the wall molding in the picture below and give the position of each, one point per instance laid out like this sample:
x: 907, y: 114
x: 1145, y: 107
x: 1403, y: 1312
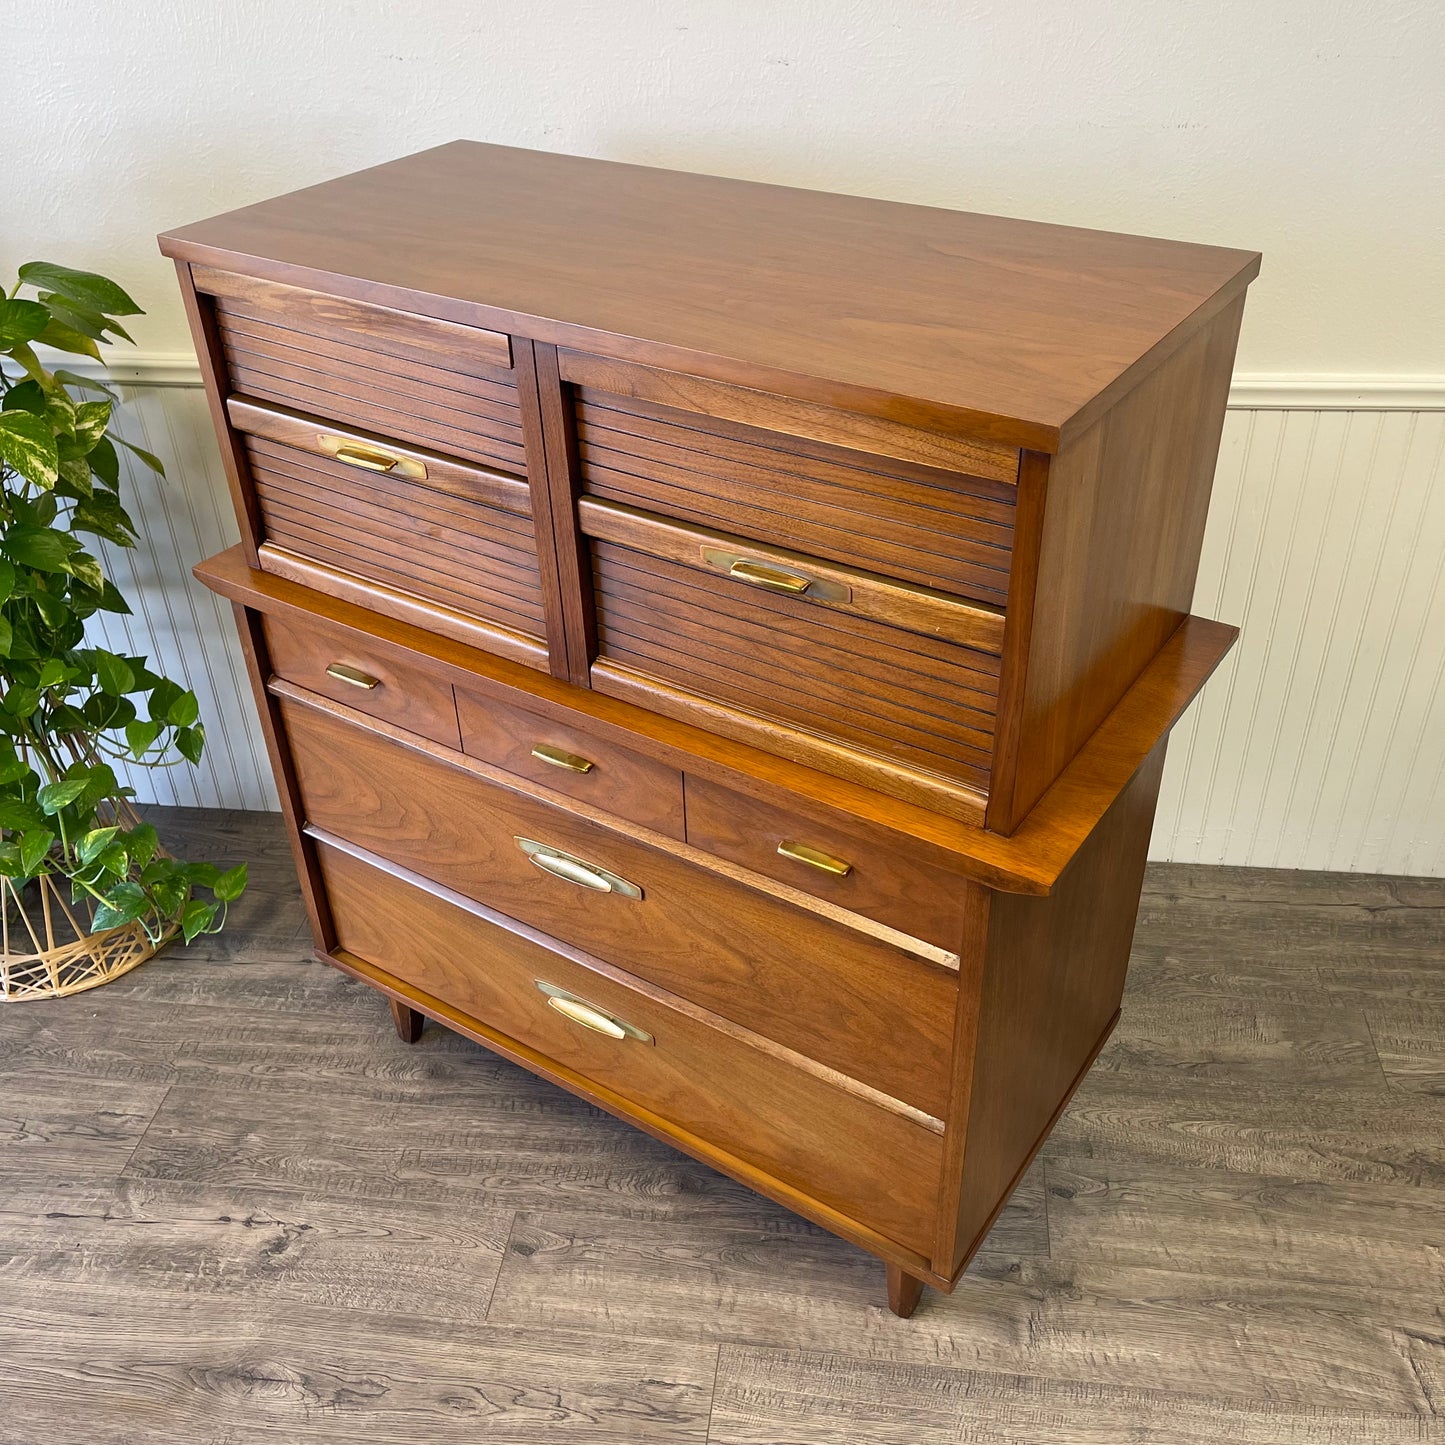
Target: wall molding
x: 1249, y: 391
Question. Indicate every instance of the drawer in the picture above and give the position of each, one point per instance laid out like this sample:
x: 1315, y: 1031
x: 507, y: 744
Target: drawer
x: 953, y: 532
x: 867, y: 871
x: 421, y: 380
x: 568, y: 758
x: 902, y: 673
x: 858, y: 1005
x: 337, y: 664
x: 866, y: 1161
x: 455, y: 536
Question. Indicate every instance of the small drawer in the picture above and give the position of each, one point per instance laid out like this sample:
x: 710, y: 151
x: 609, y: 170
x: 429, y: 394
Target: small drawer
x: 868, y: 872
x: 399, y: 520
x: 570, y: 759
x: 933, y: 509
x: 879, y: 1014
x: 328, y: 660
x: 869, y: 1162
x: 904, y: 674
x: 421, y: 380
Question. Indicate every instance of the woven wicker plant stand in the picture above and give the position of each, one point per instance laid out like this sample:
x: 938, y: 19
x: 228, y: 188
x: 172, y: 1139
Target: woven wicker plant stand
x: 47, y: 947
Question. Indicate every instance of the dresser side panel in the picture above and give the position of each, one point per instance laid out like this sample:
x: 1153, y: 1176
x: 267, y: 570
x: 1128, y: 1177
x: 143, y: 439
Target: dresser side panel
x: 1122, y: 531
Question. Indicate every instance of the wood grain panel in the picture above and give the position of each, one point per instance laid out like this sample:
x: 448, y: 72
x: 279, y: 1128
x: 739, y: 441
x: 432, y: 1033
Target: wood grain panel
x: 698, y: 1073
x: 403, y: 693
x: 847, y: 1000
x: 885, y: 880
x: 629, y: 784
x: 953, y: 532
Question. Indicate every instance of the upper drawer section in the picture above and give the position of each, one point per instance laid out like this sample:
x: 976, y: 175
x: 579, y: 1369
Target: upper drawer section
x: 916, y: 505
x: 416, y: 378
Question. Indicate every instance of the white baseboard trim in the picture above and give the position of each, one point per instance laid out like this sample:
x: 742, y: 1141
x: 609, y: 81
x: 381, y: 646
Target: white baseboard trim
x: 1249, y: 391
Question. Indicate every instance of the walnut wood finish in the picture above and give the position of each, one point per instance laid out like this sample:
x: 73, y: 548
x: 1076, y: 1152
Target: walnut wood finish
x: 787, y: 679
x: 622, y: 782
x: 409, y: 1022
x: 885, y: 880
x: 714, y: 1080
x: 863, y: 1009
x: 1002, y: 329
x: 329, y: 660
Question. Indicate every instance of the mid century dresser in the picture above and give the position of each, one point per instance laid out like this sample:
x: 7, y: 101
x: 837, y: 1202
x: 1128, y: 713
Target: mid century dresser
x: 717, y: 642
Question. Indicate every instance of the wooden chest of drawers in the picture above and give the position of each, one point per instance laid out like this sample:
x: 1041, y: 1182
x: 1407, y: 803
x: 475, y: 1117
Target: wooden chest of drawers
x: 717, y: 642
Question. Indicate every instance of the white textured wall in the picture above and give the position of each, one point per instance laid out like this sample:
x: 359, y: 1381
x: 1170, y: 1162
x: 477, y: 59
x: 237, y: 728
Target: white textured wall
x: 1314, y: 131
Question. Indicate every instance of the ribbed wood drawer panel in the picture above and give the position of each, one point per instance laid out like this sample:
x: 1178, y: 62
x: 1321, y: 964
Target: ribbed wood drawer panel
x: 472, y: 558
x: 925, y: 525
x: 898, y: 694
x: 422, y: 381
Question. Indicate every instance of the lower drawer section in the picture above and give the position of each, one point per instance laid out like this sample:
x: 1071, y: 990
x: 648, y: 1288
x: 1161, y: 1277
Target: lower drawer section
x: 670, y: 1061
x: 852, y: 1002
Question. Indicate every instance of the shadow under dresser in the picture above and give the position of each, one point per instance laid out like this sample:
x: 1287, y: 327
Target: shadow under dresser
x: 717, y: 642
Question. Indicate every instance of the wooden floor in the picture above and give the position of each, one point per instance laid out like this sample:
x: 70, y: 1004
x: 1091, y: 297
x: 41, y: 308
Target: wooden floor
x: 235, y: 1207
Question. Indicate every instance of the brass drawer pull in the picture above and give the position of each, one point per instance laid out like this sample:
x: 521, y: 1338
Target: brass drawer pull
x: 576, y: 870
x: 824, y: 862
x: 353, y: 453
x: 560, y: 758
x: 589, y: 1015
x: 775, y: 578
x: 354, y: 675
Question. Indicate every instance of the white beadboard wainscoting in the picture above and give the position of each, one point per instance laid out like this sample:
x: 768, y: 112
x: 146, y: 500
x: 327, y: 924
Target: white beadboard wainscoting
x: 1320, y: 743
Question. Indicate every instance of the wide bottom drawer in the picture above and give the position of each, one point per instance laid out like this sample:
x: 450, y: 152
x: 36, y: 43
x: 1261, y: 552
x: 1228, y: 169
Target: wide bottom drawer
x: 669, y: 1059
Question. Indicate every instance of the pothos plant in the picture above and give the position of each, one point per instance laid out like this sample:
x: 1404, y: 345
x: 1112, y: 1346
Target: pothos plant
x: 69, y: 709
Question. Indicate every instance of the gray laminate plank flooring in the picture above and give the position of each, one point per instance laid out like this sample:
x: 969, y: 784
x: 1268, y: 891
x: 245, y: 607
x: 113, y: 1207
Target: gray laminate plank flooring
x: 235, y: 1207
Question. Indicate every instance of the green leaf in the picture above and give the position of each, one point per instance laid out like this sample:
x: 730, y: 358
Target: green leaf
x: 55, y: 796
x: 91, y: 420
x: 94, y: 843
x: 17, y: 814
x: 52, y: 673
x: 34, y: 845
x: 111, y: 599
x: 85, y: 287
x: 231, y: 884
x: 42, y: 548
x: 67, y: 338
x: 85, y: 383
x: 191, y: 743
x: 104, y: 516
x: 143, y: 842
x: 197, y: 917
x: 74, y: 480
x: 163, y: 698
x: 7, y: 579
x: 139, y: 736
x: 184, y: 711
x: 21, y: 321
x: 12, y: 766
x: 84, y: 566
x: 27, y: 445
x: 21, y: 701
x: 7, y: 636
x: 149, y: 458
x: 124, y: 903
x: 26, y: 396
x: 113, y: 673
x: 105, y: 463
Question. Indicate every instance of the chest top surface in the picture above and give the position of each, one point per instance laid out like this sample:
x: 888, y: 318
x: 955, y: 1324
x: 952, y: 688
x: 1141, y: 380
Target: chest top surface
x: 1015, y: 330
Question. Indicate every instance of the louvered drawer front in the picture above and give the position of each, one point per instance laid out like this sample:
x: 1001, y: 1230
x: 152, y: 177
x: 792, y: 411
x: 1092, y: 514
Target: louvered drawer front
x: 943, y: 529
x: 454, y: 535
x: 425, y: 381
x: 724, y: 1087
x: 828, y: 667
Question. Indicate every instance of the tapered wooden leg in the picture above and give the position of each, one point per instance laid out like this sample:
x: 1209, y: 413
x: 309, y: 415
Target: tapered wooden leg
x: 904, y: 1292
x: 409, y: 1024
